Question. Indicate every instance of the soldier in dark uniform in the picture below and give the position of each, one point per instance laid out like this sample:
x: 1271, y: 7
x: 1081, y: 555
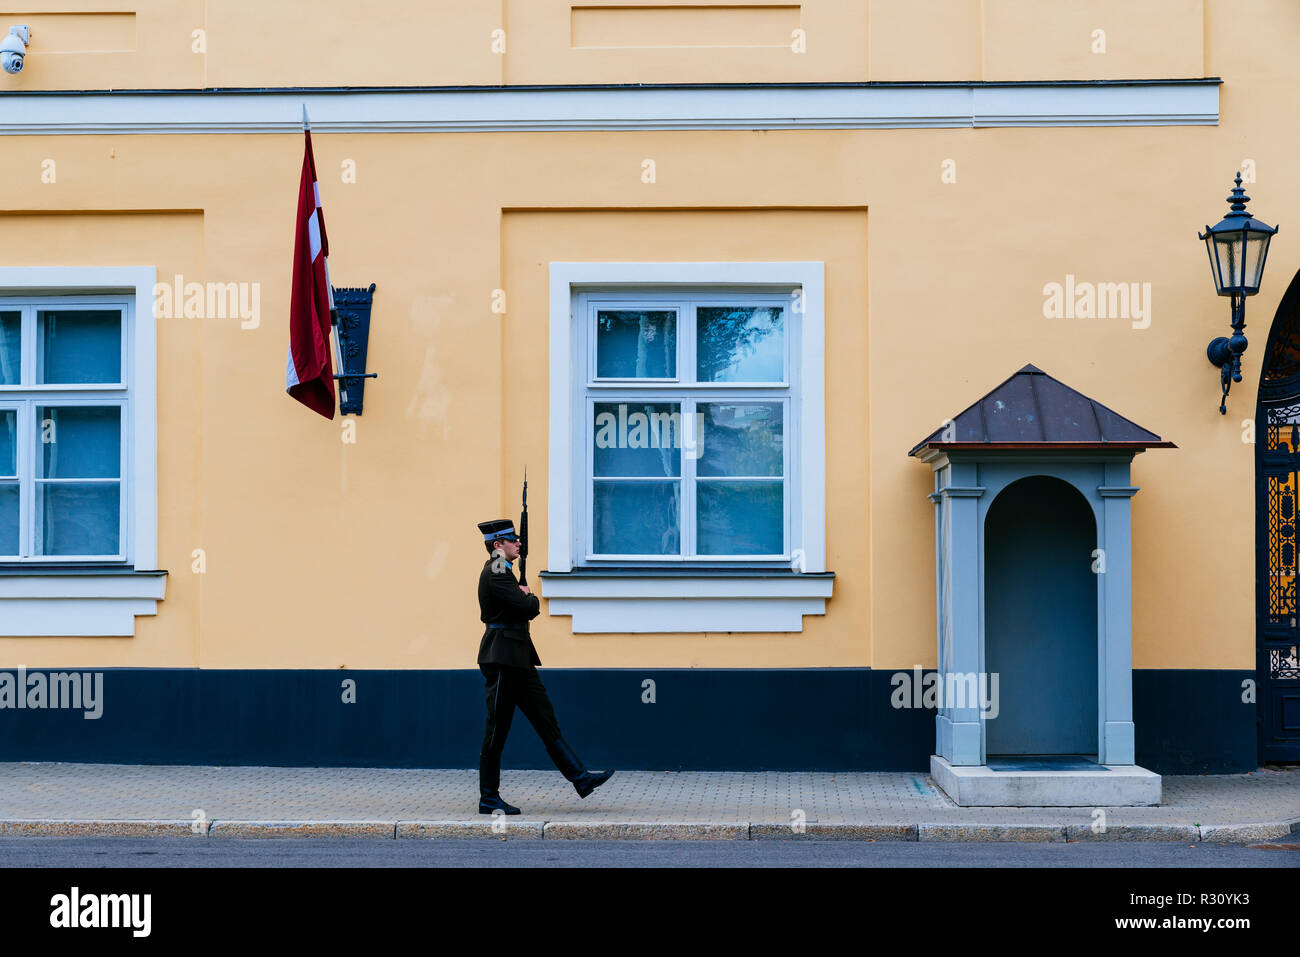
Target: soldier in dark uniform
x: 508, y: 660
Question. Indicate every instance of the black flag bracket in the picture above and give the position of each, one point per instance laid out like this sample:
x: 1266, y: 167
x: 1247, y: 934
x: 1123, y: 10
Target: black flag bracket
x: 352, y: 308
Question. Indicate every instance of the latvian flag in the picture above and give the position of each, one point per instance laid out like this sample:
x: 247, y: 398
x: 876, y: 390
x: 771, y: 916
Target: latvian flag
x: 309, y: 376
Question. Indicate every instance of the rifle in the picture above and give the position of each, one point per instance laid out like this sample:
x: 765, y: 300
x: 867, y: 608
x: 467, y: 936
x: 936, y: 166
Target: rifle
x: 523, y: 535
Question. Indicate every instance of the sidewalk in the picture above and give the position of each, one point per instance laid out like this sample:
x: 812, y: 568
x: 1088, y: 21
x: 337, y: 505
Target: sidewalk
x: 133, y: 800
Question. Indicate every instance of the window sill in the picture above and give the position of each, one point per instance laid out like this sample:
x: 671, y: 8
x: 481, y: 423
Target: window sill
x: 685, y: 600
x: 76, y: 600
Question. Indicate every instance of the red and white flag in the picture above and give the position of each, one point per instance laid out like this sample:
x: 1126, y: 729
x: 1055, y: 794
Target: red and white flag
x: 309, y: 375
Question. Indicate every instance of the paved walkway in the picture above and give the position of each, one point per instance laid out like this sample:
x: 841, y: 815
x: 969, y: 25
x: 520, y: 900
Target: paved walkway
x: 48, y: 799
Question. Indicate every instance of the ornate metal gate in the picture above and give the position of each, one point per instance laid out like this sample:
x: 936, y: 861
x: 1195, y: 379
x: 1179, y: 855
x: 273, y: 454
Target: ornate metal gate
x: 1277, y: 485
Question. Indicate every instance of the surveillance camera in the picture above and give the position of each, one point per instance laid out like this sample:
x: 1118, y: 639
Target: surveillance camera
x: 13, y: 49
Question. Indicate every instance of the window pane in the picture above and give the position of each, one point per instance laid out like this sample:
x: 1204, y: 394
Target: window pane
x: 8, y: 443
x: 741, y: 439
x: 740, y: 518
x: 80, y: 441
x: 740, y: 343
x: 11, y: 332
x: 637, y: 438
x: 8, y: 518
x: 636, y: 344
x: 80, y: 345
x: 636, y: 518
x: 78, y: 518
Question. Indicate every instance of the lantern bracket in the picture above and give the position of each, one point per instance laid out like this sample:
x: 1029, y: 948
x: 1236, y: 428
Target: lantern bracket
x: 1225, y: 353
x: 352, y: 308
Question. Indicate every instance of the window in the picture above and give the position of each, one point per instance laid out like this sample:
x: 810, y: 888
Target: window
x: 687, y: 443
x: 64, y: 407
x: 78, y: 450
x: 688, y: 399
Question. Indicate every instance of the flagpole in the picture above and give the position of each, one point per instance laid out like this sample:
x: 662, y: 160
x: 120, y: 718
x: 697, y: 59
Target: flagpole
x: 334, y: 314
x: 334, y: 328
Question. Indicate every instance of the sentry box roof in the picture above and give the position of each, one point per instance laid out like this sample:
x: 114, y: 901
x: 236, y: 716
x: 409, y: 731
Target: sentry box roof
x: 1033, y: 411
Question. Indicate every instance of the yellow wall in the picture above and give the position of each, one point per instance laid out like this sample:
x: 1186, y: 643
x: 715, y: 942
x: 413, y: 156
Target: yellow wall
x: 325, y: 554
x: 148, y: 44
x: 836, y: 237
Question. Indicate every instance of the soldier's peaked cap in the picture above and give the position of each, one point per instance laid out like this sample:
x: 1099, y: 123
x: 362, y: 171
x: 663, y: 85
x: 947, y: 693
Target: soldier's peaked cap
x: 498, y: 528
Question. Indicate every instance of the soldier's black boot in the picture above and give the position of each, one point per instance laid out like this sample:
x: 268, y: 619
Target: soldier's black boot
x: 487, y: 803
x: 571, y: 766
x: 489, y: 779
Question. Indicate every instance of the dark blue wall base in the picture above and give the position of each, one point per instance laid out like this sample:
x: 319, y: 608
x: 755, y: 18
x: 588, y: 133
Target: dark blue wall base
x: 1193, y: 722
x: 798, y: 719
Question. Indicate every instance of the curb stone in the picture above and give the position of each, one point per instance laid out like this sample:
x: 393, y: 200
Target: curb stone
x: 647, y: 831
x: 382, y: 829
x: 432, y: 830
x: 990, y: 833
x: 1183, y: 833
x: 1247, y: 833
x: 814, y: 831
x: 103, y: 828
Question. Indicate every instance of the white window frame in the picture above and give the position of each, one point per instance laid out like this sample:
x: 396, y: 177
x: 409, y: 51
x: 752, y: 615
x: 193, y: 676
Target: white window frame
x: 751, y: 597
x: 687, y: 393
x: 27, y: 395
x: 34, y: 598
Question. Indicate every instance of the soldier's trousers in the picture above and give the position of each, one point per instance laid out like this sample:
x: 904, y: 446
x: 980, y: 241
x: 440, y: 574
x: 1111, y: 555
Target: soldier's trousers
x: 508, y: 688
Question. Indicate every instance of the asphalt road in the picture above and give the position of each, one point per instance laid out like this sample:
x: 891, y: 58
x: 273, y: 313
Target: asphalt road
x: 362, y: 852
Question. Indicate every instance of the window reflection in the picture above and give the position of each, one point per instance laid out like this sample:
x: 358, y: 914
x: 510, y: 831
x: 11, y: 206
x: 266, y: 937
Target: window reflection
x: 636, y: 344
x: 740, y: 344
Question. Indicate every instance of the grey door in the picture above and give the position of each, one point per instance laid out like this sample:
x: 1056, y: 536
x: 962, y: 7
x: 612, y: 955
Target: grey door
x: 1040, y: 619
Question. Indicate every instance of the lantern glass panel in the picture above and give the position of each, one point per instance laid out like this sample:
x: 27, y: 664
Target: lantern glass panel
x: 1212, y: 248
x: 1231, y: 248
x: 1256, y: 251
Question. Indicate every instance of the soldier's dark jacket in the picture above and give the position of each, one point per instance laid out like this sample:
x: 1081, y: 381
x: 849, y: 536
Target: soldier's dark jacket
x: 506, y: 612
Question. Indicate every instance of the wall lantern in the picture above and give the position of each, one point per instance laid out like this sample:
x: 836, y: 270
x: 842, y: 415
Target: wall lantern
x: 352, y: 329
x: 1238, y: 248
